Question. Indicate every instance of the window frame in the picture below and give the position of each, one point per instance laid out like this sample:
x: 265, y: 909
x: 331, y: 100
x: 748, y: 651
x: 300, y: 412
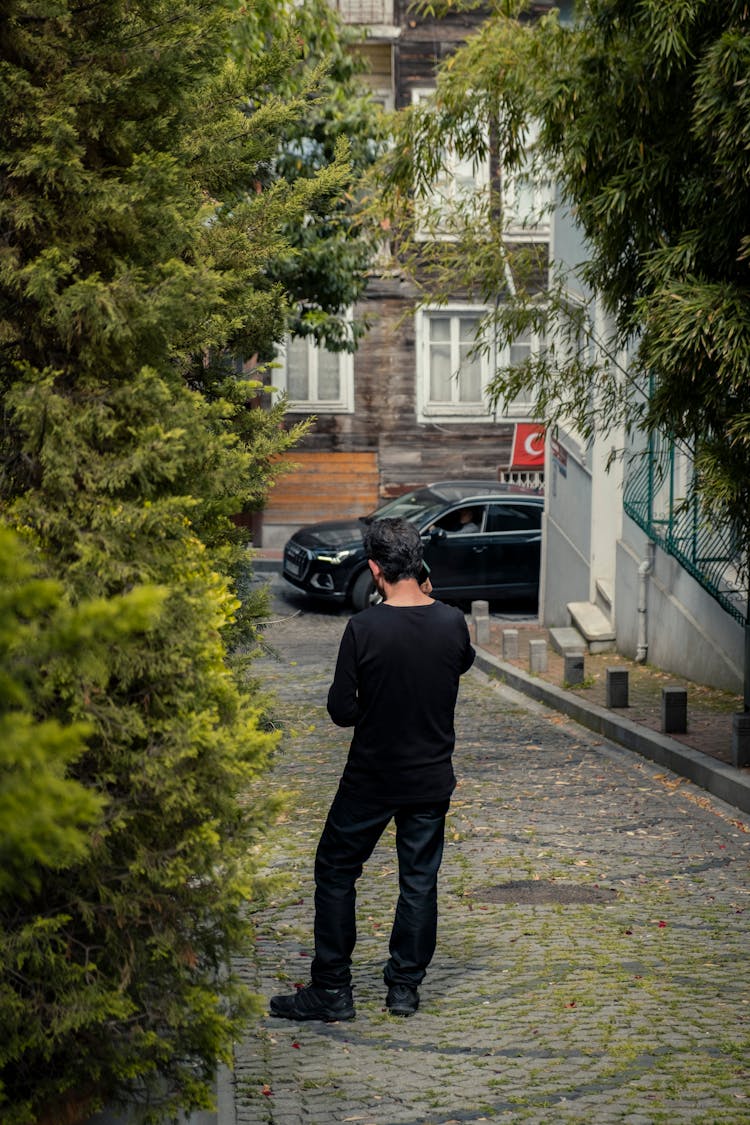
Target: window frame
x: 543, y: 197
x: 519, y: 411
x: 355, y: 12
x: 490, y: 359
x: 344, y: 404
x: 480, y: 170
x: 455, y: 411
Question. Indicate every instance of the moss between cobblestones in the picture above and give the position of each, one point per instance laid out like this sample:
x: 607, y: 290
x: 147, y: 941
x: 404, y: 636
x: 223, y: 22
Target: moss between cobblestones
x: 588, y: 1014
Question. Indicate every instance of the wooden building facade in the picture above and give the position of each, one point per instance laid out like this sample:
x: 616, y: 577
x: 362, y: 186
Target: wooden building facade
x: 395, y: 415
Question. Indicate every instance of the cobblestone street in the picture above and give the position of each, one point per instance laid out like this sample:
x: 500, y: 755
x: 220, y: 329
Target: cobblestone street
x: 609, y: 985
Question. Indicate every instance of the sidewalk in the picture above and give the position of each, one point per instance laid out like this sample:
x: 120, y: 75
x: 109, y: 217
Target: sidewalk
x: 702, y: 754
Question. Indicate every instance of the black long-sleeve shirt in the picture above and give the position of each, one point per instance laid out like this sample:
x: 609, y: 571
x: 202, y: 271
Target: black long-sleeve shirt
x: 396, y: 683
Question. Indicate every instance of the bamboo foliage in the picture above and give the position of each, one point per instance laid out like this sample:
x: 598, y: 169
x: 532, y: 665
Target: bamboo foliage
x: 640, y: 116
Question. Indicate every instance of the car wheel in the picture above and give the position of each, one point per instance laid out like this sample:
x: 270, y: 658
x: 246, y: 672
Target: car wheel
x: 363, y: 591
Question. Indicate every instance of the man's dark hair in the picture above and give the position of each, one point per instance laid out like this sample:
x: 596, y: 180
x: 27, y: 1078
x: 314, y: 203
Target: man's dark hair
x: 395, y: 545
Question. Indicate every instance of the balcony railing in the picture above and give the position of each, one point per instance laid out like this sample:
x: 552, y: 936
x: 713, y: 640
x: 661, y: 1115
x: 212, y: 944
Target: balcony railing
x: 367, y: 12
x: 660, y: 496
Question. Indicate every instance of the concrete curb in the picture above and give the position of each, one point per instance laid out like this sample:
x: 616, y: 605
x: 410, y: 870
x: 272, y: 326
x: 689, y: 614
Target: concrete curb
x: 266, y: 565
x: 721, y: 780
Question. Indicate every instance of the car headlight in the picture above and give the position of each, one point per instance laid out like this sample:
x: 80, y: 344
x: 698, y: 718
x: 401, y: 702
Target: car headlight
x: 336, y: 558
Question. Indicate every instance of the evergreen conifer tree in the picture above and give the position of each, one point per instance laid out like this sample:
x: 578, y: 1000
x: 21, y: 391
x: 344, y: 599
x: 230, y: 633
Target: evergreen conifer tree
x: 44, y: 814
x: 141, y: 212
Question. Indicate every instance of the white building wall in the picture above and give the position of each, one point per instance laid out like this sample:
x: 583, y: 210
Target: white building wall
x: 587, y: 536
x: 688, y: 632
x: 606, y: 518
x: 566, y: 541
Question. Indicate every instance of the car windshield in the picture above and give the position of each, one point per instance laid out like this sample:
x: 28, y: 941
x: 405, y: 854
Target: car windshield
x: 415, y: 506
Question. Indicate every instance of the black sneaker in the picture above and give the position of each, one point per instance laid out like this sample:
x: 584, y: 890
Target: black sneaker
x: 313, y: 1003
x: 402, y: 1000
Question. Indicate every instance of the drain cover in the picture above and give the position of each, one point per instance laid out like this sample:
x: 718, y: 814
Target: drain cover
x: 529, y: 891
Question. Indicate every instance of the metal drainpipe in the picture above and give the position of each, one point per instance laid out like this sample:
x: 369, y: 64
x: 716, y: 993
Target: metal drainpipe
x: 645, y: 568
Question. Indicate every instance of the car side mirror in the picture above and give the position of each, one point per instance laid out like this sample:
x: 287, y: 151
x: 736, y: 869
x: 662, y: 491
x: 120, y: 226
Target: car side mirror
x: 437, y: 533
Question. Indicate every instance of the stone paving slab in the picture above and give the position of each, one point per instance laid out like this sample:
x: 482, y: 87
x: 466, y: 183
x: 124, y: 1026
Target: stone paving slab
x: 635, y: 1010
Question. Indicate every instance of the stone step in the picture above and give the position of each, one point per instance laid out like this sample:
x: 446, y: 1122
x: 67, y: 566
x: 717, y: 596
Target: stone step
x: 565, y: 639
x: 594, y: 626
x: 604, y: 596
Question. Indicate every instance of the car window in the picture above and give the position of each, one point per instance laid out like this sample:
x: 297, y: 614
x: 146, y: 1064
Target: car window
x: 414, y: 506
x: 514, y: 517
x: 468, y: 519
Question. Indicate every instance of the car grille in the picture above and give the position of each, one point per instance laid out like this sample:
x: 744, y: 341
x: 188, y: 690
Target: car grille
x: 296, y: 560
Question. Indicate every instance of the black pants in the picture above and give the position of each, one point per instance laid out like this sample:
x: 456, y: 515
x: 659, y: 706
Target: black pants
x: 351, y: 832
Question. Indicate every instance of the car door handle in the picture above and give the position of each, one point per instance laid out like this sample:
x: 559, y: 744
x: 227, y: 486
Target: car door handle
x: 477, y: 550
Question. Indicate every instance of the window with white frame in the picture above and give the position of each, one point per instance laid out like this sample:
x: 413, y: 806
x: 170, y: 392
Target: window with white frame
x: 527, y: 192
x: 365, y: 11
x: 315, y: 379
x: 453, y: 369
x: 460, y: 182
x: 524, y: 347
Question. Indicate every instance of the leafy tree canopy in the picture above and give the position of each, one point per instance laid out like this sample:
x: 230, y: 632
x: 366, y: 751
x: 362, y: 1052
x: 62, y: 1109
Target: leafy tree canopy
x: 330, y: 252
x: 643, y: 123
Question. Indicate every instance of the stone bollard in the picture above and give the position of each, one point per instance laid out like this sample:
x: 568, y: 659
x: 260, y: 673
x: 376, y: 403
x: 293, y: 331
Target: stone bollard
x: 482, y: 630
x: 674, y: 710
x: 510, y: 644
x: 573, y: 668
x: 617, y: 687
x: 741, y: 739
x: 538, y: 656
x: 480, y: 614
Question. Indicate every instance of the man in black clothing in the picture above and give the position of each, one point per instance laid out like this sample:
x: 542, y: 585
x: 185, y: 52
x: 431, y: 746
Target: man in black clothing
x: 396, y: 683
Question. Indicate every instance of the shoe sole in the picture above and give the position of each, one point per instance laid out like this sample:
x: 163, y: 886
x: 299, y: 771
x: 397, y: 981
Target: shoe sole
x: 403, y: 1012
x: 323, y: 1017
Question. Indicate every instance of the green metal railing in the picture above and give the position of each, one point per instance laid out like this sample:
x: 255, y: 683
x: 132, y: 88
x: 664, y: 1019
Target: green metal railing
x: 660, y: 496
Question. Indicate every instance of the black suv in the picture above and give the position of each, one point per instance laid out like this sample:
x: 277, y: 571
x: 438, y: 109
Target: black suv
x: 481, y: 540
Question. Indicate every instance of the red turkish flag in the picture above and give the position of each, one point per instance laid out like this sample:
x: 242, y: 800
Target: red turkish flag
x: 528, y: 446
